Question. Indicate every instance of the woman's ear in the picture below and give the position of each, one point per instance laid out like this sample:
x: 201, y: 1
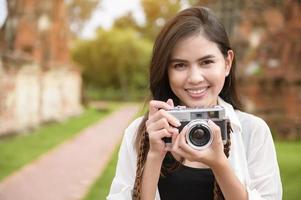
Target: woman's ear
x: 228, y: 61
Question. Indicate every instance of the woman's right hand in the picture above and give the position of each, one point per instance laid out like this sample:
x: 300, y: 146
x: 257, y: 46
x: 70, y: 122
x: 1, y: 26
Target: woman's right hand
x: 160, y: 124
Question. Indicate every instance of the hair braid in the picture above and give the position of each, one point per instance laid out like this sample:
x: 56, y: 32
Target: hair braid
x: 143, y: 147
x: 217, y: 193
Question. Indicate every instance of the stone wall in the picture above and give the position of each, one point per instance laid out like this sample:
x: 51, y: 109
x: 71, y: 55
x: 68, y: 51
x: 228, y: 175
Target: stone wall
x: 30, y: 97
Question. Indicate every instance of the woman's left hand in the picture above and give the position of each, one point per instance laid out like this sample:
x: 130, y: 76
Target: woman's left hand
x: 210, y: 156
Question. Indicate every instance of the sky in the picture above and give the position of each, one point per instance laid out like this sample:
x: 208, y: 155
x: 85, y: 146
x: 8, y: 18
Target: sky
x: 3, y: 11
x: 107, y: 11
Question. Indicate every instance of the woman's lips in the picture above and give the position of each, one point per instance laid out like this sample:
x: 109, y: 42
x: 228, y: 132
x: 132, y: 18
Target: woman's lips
x: 197, y: 92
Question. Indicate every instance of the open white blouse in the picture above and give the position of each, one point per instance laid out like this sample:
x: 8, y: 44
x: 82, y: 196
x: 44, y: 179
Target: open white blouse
x: 252, y: 157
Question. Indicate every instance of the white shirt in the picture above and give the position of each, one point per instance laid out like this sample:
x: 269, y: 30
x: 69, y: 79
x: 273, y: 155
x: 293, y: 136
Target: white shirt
x: 252, y: 158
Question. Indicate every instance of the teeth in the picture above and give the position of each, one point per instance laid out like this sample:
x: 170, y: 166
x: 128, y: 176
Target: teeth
x: 196, y: 91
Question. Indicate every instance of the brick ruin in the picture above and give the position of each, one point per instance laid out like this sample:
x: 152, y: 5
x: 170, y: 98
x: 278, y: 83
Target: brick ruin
x: 270, y: 68
x: 38, y: 82
x: 266, y: 37
x: 36, y: 30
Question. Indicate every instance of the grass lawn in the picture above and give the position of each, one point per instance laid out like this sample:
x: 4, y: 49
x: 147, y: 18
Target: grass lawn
x: 17, y: 151
x: 290, y: 168
x: 288, y: 158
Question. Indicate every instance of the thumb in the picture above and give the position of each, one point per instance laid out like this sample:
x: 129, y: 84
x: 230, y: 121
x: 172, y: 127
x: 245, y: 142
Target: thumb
x: 170, y: 102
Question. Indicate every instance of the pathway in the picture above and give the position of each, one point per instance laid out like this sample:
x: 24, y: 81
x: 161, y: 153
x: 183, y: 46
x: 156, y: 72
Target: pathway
x: 67, y: 172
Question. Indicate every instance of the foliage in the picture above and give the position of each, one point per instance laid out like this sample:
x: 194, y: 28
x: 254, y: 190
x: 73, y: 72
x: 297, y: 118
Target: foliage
x: 115, y: 64
x: 17, y: 151
x: 126, y: 21
x: 116, y: 59
x: 157, y: 13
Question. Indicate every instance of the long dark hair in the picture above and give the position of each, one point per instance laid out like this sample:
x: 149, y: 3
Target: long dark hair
x: 188, y: 22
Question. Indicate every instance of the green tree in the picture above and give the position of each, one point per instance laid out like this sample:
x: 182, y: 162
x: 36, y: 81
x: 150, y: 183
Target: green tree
x: 126, y: 21
x: 157, y: 13
x: 117, y: 59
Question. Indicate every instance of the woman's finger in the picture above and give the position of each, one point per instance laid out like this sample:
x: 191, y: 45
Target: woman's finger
x: 155, y: 105
x: 164, y: 114
x: 158, y: 125
x: 176, y: 140
x: 156, y: 135
x: 215, y: 130
x: 176, y: 148
x: 183, y: 144
x: 182, y: 148
x: 170, y: 102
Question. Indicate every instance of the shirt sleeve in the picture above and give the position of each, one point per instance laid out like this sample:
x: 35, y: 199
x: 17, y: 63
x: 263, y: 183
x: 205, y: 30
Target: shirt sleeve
x: 123, y: 182
x: 265, y: 182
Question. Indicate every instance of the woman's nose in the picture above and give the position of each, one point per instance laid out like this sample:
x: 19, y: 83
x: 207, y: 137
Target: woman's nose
x: 195, y: 75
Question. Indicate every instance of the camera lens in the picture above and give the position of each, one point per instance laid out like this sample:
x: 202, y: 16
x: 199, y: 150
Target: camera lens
x: 199, y: 136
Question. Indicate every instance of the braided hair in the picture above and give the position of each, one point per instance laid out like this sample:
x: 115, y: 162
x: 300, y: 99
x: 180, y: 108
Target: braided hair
x: 142, y: 146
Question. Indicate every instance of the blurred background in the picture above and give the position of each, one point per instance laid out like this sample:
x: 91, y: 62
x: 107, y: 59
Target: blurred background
x: 70, y: 60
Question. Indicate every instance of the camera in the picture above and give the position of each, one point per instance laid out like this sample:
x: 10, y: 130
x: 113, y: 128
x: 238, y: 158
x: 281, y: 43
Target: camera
x: 199, y: 135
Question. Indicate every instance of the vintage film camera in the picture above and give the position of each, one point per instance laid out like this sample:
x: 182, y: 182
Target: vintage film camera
x: 199, y: 135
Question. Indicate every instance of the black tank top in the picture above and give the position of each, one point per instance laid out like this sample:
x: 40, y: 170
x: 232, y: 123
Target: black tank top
x: 187, y: 183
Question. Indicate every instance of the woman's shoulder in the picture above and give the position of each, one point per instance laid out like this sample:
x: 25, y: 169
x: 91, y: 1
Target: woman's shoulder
x: 251, y: 121
x: 129, y: 136
x: 254, y: 129
x: 132, y: 129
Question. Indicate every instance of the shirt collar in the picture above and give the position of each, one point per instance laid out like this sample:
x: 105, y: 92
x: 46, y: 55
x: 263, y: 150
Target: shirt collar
x: 230, y: 114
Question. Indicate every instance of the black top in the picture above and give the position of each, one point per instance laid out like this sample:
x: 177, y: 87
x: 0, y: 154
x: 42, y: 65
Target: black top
x: 187, y: 183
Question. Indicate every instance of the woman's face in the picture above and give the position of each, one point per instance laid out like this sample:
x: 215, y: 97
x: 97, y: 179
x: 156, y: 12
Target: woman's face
x: 197, y: 71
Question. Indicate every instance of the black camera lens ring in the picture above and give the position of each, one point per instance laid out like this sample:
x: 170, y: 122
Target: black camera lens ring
x: 199, y: 135
x: 198, y: 123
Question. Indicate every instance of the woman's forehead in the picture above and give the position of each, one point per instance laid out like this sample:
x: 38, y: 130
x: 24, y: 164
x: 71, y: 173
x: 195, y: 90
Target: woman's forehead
x: 195, y: 45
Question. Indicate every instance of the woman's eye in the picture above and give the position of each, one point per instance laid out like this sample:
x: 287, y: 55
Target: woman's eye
x: 179, y: 66
x: 206, y: 62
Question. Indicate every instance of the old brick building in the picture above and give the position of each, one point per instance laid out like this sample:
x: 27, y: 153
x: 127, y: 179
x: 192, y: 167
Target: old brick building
x: 37, y: 80
x: 36, y: 30
x: 270, y: 71
x: 266, y: 36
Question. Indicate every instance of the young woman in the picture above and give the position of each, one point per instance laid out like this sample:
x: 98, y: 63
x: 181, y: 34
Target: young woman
x: 193, y: 65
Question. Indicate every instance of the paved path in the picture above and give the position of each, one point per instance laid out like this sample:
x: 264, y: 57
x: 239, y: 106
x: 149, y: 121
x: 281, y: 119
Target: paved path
x: 67, y: 172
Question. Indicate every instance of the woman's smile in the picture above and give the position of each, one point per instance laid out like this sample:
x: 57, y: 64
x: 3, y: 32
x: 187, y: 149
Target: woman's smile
x: 197, y: 92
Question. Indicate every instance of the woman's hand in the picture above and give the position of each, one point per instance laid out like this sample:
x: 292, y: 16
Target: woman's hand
x: 210, y: 156
x: 160, y: 124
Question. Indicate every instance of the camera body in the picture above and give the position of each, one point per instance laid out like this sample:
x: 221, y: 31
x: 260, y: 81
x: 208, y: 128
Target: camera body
x: 199, y: 135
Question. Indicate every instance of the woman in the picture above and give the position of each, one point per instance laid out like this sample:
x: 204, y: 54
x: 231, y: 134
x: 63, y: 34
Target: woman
x: 193, y: 65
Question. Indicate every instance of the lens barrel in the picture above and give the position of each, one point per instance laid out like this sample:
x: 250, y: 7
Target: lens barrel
x: 199, y: 135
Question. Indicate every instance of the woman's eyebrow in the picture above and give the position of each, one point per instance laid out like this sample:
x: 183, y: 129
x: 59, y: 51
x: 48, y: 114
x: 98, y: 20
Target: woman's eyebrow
x: 206, y: 57
x: 199, y: 59
x: 177, y: 60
